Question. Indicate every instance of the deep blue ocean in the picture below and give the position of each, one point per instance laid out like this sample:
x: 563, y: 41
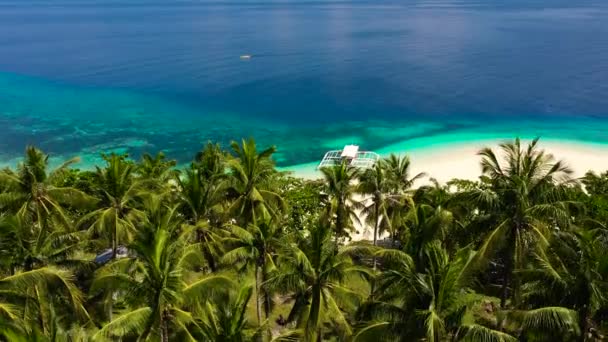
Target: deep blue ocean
x: 78, y: 77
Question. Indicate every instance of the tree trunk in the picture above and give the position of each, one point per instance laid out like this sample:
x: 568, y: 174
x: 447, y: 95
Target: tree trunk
x: 313, y: 313
x: 584, y: 311
x: 28, y: 265
x: 257, y: 294
x: 200, y: 236
x: 583, y: 324
x: 376, y: 231
x: 267, y: 302
x: 164, y: 328
x: 114, y: 240
x: 296, y: 309
x: 506, y: 280
x: 373, y: 281
x: 339, y: 219
x: 210, y: 260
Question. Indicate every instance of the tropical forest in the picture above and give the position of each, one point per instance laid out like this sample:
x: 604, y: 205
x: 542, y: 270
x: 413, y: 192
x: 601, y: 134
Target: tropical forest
x: 229, y: 248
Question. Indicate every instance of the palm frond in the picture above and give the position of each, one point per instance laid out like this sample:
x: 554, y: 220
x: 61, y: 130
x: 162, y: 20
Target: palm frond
x: 207, y: 287
x: 550, y: 319
x: 479, y: 333
x: 132, y: 322
x: 371, y: 332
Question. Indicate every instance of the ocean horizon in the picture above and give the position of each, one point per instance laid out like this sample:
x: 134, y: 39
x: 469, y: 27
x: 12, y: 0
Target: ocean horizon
x: 78, y: 78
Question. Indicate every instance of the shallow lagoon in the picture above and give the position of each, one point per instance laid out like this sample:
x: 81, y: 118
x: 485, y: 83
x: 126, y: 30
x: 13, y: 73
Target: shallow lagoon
x: 78, y: 78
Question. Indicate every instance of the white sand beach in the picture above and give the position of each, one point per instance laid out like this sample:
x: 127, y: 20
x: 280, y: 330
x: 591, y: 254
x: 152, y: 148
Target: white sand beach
x: 460, y: 160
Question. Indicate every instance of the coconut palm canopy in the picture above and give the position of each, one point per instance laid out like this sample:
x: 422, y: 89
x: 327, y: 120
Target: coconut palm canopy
x: 230, y: 249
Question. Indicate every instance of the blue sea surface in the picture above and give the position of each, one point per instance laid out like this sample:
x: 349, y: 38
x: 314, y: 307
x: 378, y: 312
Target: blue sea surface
x: 78, y: 77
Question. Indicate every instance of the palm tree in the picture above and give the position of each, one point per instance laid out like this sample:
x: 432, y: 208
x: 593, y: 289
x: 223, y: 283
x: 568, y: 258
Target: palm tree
x: 524, y: 193
x: 35, y: 302
x: 34, y: 193
x: 225, y: 319
x: 156, y: 167
x: 374, y: 183
x: 117, y: 210
x: 434, y: 306
x: 201, y: 195
x: 398, y: 173
x: 211, y: 160
x: 397, y: 216
x: 158, y: 282
x: 256, y: 246
x: 434, y: 193
x: 28, y: 248
x: 571, y: 274
x: 315, y: 273
x: 198, y: 196
x: 203, y: 187
x: 200, y: 201
x: 425, y: 225
x: 340, y: 187
x: 250, y: 183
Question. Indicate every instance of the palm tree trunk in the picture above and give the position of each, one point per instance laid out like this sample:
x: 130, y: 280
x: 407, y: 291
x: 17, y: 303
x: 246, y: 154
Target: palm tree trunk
x: 262, y: 291
x: 266, y: 298
x: 376, y: 231
x: 583, y: 322
x: 584, y: 328
x: 266, y: 295
x: 28, y: 265
x: 209, y: 257
x: 114, y: 240
x: 114, y: 249
x: 506, y: 279
x: 376, y: 223
x: 164, y: 328
x: 339, y: 220
x: 508, y: 267
x: 313, y: 325
x: 210, y: 260
x: 257, y: 294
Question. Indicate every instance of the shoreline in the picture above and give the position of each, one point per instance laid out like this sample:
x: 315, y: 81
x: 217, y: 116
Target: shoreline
x: 445, y: 161
x: 442, y: 157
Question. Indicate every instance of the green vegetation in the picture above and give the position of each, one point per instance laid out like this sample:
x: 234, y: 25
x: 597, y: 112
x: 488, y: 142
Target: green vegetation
x: 230, y: 249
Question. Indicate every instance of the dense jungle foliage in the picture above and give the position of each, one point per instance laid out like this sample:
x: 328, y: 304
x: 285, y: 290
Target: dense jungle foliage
x: 230, y: 249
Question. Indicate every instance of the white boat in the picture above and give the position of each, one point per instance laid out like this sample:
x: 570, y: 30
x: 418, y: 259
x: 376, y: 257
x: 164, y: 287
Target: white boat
x: 351, y: 155
x: 245, y: 56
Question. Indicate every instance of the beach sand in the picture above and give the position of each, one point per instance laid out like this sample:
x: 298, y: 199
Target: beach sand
x: 460, y: 160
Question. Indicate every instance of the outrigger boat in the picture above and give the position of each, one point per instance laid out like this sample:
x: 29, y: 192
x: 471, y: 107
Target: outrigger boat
x: 352, y: 156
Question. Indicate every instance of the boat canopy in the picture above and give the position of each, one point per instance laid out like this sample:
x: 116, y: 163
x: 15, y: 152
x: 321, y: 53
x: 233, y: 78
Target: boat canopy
x: 350, y: 155
x: 350, y: 151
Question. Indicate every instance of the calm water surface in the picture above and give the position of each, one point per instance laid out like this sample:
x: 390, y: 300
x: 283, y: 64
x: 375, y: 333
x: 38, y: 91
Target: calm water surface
x: 81, y: 76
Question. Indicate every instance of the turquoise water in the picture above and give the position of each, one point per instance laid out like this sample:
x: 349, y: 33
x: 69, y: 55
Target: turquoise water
x: 81, y: 77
